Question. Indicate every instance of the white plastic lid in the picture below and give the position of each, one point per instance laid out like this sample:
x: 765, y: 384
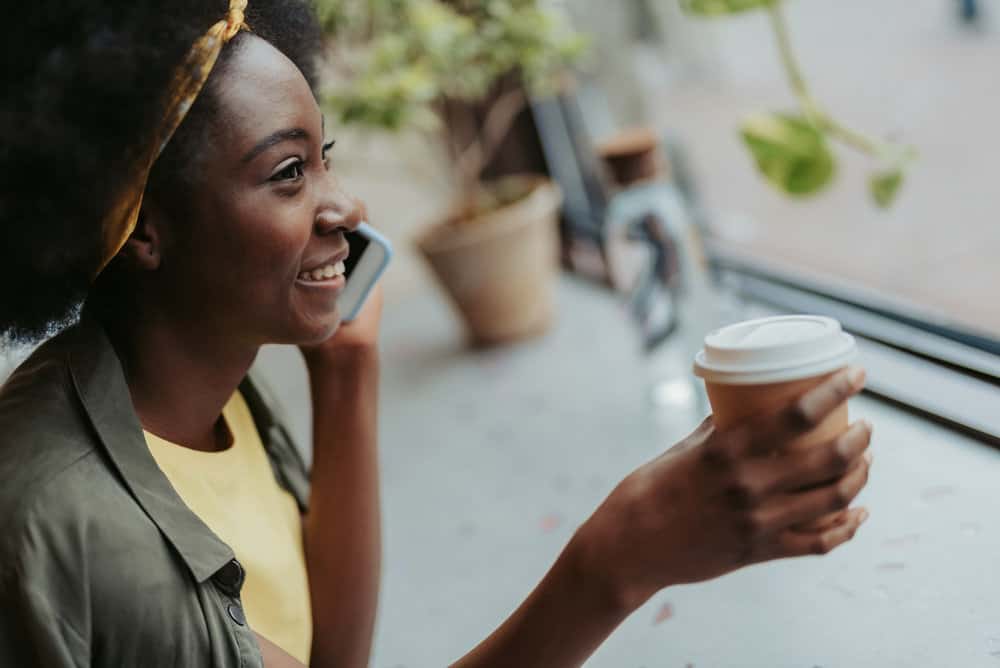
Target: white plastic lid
x: 774, y: 350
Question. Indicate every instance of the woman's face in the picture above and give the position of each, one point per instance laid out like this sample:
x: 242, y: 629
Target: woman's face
x: 258, y: 255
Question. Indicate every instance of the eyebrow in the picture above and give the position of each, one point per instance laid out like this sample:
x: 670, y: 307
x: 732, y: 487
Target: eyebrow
x: 273, y: 140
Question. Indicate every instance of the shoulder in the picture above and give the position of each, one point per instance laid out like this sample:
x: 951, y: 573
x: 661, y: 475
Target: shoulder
x: 44, y: 433
x: 55, y: 515
x: 78, y: 535
x: 49, y: 519
x: 84, y: 572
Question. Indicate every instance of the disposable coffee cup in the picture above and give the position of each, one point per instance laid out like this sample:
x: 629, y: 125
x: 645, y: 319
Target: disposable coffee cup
x: 759, y: 366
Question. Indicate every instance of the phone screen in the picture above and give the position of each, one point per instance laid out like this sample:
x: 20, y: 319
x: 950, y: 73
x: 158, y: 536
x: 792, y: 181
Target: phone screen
x: 358, y: 244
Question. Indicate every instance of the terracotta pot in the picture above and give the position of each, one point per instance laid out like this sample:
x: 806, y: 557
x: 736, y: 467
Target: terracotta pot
x: 632, y: 156
x: 499, y: 269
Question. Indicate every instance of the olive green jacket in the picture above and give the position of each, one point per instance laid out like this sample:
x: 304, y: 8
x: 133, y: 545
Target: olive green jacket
x: 101, y: 562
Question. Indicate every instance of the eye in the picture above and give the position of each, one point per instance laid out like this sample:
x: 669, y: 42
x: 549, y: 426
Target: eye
x: 292, y: 172
x: 326, y: 147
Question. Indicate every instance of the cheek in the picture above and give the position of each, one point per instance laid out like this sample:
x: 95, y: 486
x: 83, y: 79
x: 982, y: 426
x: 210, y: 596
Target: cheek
x: 250, y: 247
x: 271, y: 240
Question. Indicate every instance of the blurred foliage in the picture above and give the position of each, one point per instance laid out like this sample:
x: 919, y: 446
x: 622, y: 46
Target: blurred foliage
x: 792, y: 150
x: 718, y: 7
x: 400, y: 57
x: 885, y: 186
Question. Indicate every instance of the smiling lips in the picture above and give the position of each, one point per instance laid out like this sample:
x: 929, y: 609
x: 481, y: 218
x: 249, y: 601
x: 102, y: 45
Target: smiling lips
x: 324, y: 273
x: 330, y: 273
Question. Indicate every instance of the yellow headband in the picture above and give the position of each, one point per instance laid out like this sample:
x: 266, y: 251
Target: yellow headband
x: 187, y: 82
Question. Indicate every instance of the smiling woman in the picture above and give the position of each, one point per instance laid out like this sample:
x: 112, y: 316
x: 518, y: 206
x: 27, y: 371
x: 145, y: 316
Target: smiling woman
x: 101, y: 72
x: 153, y: 510
x: 234, y: 238
x: 226, y: 237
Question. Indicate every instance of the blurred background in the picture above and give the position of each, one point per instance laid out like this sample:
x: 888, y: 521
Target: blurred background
x: 508, y: 415
x: 913, y: 71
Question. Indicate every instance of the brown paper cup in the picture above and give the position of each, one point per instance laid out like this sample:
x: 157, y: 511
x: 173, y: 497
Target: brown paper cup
x: 732, y: 404
x: 759, y: 367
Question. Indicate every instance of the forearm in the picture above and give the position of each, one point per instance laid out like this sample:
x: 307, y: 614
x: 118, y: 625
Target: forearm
x: 563, y: 621
x: 342, y: 529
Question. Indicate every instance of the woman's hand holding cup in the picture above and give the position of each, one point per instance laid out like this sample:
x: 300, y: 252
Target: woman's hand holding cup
x: 724, y: 499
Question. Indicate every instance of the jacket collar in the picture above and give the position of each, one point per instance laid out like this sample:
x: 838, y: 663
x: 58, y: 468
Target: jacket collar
x: 99, y: 381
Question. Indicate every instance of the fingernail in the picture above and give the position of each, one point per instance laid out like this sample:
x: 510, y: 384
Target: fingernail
x: 869, y: 457
x: 869, y: 426
x: 864, y: 516
x: 856, y: 376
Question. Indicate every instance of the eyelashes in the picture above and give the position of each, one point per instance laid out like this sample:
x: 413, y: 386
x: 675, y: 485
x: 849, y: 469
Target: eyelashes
x: 295, y: 171
x: 292, y: 172
x: 326, y: 147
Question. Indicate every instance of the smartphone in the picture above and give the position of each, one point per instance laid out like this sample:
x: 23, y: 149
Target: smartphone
x: 369, y: 256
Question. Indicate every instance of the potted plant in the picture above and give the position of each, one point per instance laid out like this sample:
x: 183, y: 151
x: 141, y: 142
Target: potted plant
x: 461, y: 72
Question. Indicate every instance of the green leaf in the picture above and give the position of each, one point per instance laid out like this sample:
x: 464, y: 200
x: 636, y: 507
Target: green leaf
x: 885, y: 186
x: 722, y: 7
x: 790, y: 152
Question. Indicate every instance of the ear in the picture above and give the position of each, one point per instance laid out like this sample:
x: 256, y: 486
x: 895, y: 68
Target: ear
x: 144, y: 248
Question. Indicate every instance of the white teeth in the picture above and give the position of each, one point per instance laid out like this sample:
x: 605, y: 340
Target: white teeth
x: 323, y: 273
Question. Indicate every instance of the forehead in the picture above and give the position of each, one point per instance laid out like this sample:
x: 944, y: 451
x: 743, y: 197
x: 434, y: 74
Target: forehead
x: 262, y: 91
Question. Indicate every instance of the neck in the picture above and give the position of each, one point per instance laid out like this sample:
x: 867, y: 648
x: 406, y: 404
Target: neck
x: 180, y: 376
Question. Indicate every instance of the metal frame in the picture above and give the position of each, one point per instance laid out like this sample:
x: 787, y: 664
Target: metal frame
x: 949, y: 377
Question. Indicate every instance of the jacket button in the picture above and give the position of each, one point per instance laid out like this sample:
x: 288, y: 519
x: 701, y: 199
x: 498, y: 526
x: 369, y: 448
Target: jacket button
x: 230, y: 578
x: 236, y: 614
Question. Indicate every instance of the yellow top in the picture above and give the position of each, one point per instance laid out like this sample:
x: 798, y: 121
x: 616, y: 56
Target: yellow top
x: 235, y: 493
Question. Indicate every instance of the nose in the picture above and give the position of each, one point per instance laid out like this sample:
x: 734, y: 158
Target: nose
x: 338, y: 211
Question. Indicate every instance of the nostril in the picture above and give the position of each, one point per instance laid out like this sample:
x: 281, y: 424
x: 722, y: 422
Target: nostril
x: 329, y: 221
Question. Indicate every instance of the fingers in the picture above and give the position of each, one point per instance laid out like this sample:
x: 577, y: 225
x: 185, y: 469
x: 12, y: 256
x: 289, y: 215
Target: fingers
x: 824, y: 523
x: 818, y: 464
x: 705, y: 424
x: 812, y: 407
x: 797, y: 544
x: 801, y: 507
x: 752, y: 482
x: 696, y: 437
x: 802, y: 415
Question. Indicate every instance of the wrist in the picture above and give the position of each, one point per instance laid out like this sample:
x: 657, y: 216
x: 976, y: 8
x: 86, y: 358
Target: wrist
x: 341, y: 358
x: 610, y: 591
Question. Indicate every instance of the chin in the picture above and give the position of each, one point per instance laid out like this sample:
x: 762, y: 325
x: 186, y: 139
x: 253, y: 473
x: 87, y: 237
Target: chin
x: 306, y: 328
x: 318, y: 332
